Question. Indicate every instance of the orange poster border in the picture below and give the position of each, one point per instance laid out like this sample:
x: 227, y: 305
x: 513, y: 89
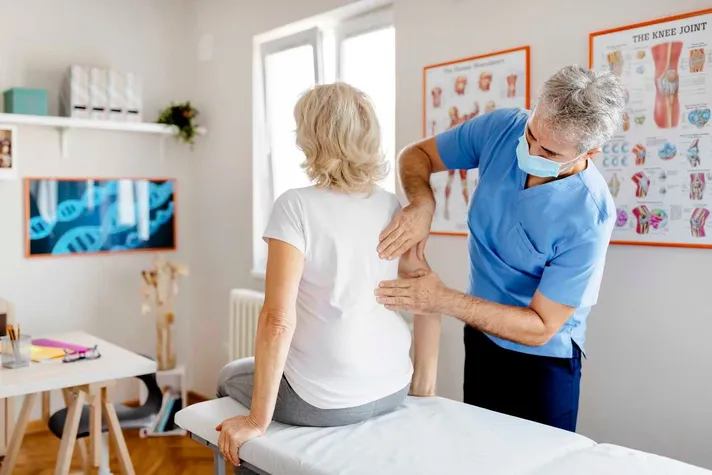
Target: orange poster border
x: 526, y: 49
x: 26, y: 199
x: 633, y: 26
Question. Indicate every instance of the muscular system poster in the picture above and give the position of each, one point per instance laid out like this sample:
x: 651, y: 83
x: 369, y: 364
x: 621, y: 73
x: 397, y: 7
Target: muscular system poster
x: 659, y: 165
x: 455, y: 92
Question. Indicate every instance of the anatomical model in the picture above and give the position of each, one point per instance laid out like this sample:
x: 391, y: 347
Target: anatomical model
x: 621, y: 218
x: 639, y: 152
x: 615, y: 62
x: 697, y: 185
x: 490, y: 106
x: 697, y: 222
x: 436, y: 94
x: 455, y: 120
x: 667, y: 82
x: 460, y: 84
x: 475, y: 112
x: 614, y: 185
x: 642, y: 215
x: 658, y: 218
x: 512, y: 85
x: 161, y: 281
x: 485, y: 81
x: 642, y: 183
x: 693, y: 153
x: 626, y: 122
x: 667, y: 151
x: 697, y: 60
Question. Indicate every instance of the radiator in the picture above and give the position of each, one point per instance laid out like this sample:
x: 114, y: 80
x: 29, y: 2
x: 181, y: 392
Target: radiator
x: 245, y: 306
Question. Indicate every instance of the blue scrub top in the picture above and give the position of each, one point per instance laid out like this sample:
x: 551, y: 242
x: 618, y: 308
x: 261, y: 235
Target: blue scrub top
x: 552, y: 237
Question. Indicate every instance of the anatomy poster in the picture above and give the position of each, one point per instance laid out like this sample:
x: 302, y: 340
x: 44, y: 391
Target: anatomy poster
x: 455, y: 92
x: 659, y: 166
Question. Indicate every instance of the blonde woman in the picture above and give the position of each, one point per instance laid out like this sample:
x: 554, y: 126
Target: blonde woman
x: 327, y: 354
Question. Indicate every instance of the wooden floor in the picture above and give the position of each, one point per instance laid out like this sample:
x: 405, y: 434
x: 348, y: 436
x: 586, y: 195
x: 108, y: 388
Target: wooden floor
x: 151, y: 456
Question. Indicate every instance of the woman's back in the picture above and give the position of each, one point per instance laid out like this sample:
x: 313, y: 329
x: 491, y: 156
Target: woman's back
x: 347, y: 350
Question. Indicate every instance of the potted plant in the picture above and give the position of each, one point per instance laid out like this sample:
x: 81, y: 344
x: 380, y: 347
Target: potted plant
x: 182, y: 117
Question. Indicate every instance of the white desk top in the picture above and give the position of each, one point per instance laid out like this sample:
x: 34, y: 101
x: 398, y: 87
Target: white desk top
x: 115, y: 363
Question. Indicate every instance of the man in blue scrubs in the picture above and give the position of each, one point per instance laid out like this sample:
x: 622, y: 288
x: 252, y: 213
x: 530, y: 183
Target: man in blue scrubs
x: 539, y: 227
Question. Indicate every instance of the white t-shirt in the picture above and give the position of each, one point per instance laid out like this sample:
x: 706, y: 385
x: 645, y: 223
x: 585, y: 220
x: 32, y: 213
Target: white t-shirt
x: 347, y: 349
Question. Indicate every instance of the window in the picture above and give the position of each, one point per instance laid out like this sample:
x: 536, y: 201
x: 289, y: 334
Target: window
x: 359, y: 50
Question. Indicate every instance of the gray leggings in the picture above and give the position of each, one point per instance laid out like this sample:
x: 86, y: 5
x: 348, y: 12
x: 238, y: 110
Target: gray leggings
x: 237, y: 380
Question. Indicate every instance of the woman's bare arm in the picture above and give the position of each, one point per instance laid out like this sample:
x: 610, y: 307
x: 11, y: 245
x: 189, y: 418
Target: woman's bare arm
x: 275, y: 327
x: 426, y: 336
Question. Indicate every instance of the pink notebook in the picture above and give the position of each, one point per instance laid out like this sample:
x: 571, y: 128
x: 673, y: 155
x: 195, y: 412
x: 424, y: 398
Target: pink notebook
x: 58, y: 344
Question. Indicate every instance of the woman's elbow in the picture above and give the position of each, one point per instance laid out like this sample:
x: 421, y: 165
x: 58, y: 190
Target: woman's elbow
x: 278, y: 324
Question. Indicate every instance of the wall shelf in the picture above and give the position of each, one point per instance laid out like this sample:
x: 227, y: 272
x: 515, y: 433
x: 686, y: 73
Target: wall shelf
x: 65, y: 124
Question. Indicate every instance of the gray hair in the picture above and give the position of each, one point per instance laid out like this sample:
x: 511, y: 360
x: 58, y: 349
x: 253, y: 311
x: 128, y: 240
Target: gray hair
x: 579, y: 104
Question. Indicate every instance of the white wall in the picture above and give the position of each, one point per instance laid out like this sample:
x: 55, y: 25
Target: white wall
x: 646, y: 383
x: 38, y: 40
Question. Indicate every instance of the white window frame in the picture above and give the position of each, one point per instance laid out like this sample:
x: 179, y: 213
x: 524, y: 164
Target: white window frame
x: 325, y: 34
x: 366, y: 23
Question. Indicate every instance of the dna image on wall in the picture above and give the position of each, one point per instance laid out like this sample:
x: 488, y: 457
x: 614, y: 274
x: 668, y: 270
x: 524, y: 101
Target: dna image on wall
x: 86, y: 216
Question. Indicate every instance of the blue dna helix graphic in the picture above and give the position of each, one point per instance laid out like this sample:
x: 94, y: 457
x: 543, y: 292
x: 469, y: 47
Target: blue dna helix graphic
x: 92, y: 238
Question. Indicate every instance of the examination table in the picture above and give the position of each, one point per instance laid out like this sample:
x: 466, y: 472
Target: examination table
x: 425, y: 436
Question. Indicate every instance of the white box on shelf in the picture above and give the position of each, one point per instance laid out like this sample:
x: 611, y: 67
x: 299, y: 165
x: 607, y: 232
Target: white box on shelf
x: 133, y: 98
x: 98, y: 93
x: 118, y: 100
x: 74, y: 95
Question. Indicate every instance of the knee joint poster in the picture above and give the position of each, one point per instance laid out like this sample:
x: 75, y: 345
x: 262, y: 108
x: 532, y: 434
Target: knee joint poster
x: 454, y: 92
x: 659, y: 166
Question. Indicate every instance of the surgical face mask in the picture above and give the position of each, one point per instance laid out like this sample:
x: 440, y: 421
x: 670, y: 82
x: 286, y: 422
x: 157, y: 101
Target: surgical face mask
x: 539, y: 166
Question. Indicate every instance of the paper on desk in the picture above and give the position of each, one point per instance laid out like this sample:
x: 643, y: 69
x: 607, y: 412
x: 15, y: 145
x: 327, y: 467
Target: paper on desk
x: 40, y: 353
x: 58, y: 344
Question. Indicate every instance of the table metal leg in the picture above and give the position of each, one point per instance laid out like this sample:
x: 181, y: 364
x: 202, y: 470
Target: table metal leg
x: 218, y: 463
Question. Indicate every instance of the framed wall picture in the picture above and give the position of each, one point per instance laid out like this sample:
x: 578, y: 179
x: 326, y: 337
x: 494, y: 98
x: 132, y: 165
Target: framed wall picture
x: 70, y: 216
x: 659, y: 165
x: 454, y: 92
x: 8, y: 152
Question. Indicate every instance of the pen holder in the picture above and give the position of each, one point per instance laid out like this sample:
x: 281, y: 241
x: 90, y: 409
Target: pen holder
x: 16, y: 353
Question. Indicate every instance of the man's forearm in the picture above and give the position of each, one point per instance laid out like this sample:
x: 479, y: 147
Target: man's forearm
x: 415, y: 170
x: 518, y: 324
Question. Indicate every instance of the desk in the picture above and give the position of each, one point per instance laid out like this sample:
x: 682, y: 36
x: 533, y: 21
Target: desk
x: 86, y: 380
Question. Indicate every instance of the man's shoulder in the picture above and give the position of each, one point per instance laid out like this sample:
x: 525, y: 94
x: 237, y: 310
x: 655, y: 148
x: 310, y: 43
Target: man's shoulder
x: 603, y: 207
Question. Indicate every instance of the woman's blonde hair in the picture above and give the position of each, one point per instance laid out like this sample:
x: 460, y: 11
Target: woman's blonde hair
x: 338, y: 132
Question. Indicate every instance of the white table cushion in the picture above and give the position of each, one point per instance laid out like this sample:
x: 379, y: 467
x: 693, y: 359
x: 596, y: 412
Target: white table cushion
x: 613, y: 459
x: 425, y: 435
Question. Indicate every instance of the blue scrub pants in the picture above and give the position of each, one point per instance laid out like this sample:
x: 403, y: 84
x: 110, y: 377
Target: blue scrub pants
x: 538, y: 388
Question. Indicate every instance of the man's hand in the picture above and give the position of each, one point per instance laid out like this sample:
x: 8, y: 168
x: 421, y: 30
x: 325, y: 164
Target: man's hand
x: 233, y: 433
x: 410, y: 227
x: 421, y: 293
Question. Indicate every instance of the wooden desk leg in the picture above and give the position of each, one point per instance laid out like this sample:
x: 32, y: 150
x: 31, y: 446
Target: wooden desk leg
x: 18, y: 434
x: 95, y: 426
x: 81, y: 443
x: 45, y: 406
x: 69, y: 435
x: 9, y: 420
x: 116, y: 435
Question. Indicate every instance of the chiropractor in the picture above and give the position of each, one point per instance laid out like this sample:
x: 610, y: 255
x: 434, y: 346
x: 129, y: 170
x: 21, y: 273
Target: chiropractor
x: 539, y: 227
